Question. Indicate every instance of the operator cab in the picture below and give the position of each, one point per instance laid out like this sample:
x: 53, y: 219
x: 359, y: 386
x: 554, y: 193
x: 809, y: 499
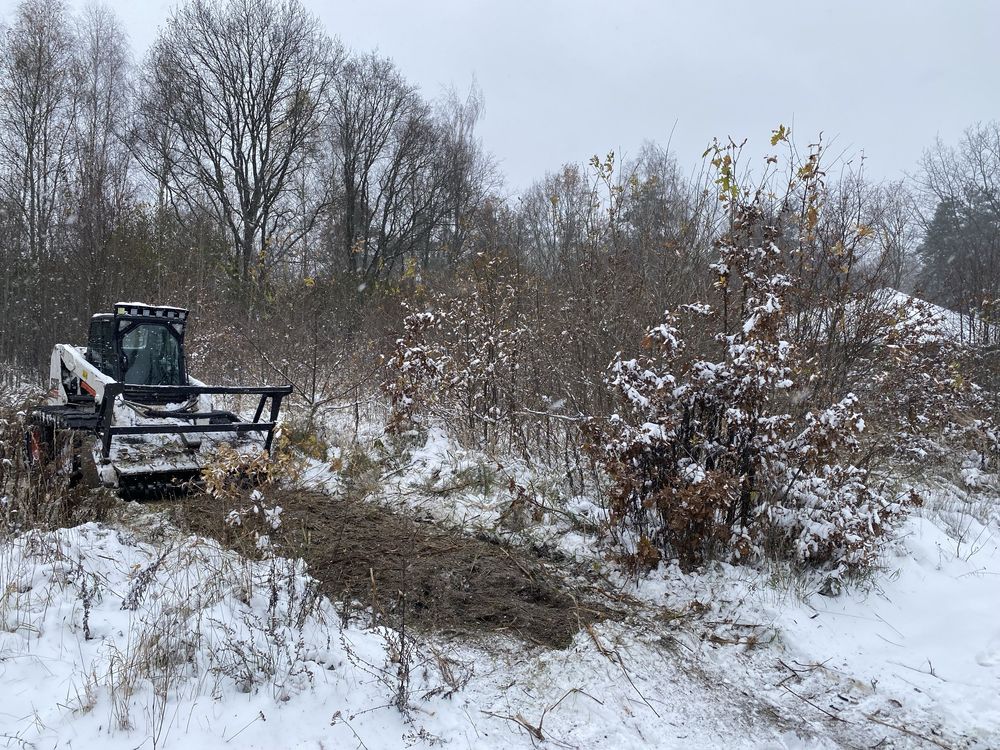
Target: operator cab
x: 139, y: 344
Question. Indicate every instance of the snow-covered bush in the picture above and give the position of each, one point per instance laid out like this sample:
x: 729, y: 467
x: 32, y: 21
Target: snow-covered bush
x: 486, y: 335
x: 460, y: 359
x: 243, y: 485
x: 924, y: 394
x: 708, y: 456
x: 722, y: 447
x: 416, y: 368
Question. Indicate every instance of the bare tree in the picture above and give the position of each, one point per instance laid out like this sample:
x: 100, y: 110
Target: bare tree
x: 558, y: 214
x: 385, y: 147
x: 242, y: 87
x: 898, y: 228
x: 38, y: 108
x: 103, y: 191
x: 468, y: 175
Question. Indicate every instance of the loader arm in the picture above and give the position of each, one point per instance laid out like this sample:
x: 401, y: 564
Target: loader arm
x: 70, y: 374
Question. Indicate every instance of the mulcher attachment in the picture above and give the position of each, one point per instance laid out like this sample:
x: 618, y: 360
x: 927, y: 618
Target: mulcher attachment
x: 124, y: 456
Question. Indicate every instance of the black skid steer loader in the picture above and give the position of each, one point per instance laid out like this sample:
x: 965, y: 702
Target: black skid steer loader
x: 125, y: 411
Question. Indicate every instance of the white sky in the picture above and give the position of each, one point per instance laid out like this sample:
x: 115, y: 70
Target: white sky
x: 565, y: 79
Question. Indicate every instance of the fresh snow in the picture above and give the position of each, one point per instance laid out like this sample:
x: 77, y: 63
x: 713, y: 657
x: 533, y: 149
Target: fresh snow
x: 917, y: 648
x: 115, y: 641
x: 929, y: 635
x: 246, y: 662
x: 222, y: 652
x: 951, y: 324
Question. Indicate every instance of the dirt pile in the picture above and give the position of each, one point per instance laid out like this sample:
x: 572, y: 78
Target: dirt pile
x: 435, y: 578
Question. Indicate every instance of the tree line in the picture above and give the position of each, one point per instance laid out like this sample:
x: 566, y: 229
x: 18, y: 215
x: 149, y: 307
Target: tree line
x: 253, y: 167
x: 720, y: 353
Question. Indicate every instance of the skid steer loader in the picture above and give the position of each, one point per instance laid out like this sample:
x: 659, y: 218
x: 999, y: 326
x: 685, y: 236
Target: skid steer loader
x: 124, y: 412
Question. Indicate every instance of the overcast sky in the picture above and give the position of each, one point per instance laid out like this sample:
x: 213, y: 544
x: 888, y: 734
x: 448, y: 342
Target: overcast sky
x: 566, y: 79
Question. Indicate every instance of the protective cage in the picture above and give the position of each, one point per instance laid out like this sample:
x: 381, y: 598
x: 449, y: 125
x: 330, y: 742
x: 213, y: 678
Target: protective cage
x: 219, y: 420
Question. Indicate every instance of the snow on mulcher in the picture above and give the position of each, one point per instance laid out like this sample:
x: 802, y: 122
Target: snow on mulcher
x: 124, y: 408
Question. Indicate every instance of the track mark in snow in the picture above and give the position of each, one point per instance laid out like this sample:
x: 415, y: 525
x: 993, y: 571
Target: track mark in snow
x: 990, y: 656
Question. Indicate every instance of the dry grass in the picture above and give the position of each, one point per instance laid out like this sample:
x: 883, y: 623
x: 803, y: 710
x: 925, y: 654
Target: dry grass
x: 39, y: 496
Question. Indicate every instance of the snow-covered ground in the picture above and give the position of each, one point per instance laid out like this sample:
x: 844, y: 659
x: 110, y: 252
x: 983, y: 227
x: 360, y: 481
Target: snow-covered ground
x: 137, y: 636
x: 912, y: 653
x: 915, y: 651
x: 124, y: 638
x: 928, y: 636
x: 114, y: 641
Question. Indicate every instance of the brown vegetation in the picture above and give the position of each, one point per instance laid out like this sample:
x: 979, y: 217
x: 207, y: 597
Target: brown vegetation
x: 370, y: 250
x: 412, y: 573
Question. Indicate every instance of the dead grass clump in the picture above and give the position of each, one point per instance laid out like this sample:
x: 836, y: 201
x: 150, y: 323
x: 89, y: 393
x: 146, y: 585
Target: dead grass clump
x: 45, y: 495
x: 303, y: 436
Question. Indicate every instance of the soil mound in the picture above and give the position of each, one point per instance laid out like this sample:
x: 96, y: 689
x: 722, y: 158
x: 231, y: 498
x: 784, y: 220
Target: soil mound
x: 417, y: 573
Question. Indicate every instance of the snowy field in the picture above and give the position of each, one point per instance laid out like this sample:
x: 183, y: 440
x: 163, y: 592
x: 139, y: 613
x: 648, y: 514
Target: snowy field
x: 113, y: 641
x: 137, y: 636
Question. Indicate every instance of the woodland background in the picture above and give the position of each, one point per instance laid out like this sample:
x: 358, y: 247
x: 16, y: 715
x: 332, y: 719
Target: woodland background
x: 330, y: 225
